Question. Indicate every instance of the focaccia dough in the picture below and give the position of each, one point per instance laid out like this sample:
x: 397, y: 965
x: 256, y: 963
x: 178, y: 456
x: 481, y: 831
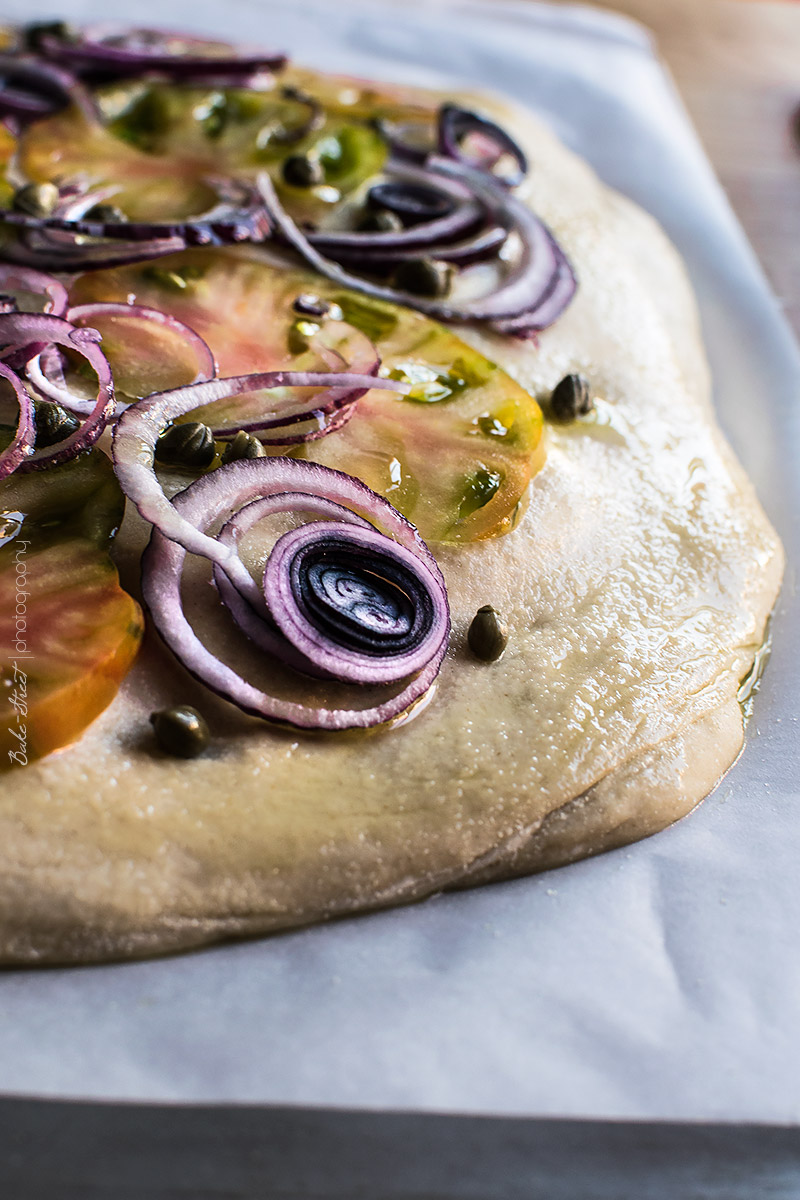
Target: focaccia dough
x: 636, y: 589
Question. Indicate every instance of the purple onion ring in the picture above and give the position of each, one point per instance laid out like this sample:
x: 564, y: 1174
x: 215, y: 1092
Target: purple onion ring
x: 259, y: 627
x: 238, y: 483
x: 140, y: 426
x: 25, y: 279
x: 527, y: 286
x: 455, y: 123
x: 44, y: 88
x: 26, y: 329
x: 21, y: 446
x: 111, y: 51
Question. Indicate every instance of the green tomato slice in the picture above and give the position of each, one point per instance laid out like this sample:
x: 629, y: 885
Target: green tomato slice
x: 161, y: 143
x: 68, y: 632
x: 8, y: 146
x: 455, y: 456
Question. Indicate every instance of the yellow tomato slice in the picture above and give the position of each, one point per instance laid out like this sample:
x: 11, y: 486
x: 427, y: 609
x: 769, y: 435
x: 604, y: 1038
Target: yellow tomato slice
x: 68, y: 632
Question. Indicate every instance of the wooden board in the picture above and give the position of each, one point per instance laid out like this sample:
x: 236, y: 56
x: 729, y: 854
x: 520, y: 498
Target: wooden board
x: 737, y: 65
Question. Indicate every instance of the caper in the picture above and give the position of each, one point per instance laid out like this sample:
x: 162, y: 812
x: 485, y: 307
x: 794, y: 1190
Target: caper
x: 380, y: 221
x: 423, y: 277
x: 488, y: 634
x: 106, y: 213
x: 187, y: 445
x: 180, y: 731
x: 53, y: 423
x: 35, y: 32
x: 571, y: 398
x: 286, y: 135
x: 36, y: 199
x: 244, y: 445
x: 300, y: 170
x: 308, y: 305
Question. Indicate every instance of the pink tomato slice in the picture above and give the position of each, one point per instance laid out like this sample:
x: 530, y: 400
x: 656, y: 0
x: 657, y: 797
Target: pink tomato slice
x: 456, y: 455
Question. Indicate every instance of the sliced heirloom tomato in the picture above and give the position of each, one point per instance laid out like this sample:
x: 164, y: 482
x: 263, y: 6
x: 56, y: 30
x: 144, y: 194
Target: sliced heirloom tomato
x: 160, y: 143
x: 455, y: 456
x: 147, y: 351
x: 8, y: 146
x: 68, y: 632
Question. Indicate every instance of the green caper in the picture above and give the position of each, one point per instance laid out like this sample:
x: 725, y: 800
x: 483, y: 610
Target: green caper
x: 38, y: 30
x: 187, y: 445
x: 244, y: 445
x: 180, y: 731
x: 106, y: 213
x: 53, y: 423
x: 423, y: 277
x: 571, y: 398
x: 36, y: 199
x: 380, y: 221
x: 308, y: 305
x: 488, y: 634
x: 300, y: 170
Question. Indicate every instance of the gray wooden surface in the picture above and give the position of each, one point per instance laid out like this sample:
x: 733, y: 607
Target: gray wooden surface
x: 58, y: 1151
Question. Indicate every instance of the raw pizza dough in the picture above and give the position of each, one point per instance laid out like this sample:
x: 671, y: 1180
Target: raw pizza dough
x: 636, y: 588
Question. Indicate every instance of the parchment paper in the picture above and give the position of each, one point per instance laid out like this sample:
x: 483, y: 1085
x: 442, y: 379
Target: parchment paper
x: 660, y: 981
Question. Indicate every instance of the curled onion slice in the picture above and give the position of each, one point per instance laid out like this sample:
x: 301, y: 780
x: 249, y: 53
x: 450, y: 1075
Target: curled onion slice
x: 21, y: 446
x: 355, y: 603
x: 261, y: 628
x: 237, y: 217
x: 482, y: 245
x: 456, y: 124
x: 46, y: 372
x: 20, y: 330
x: 140, y: 426
x: 529, y: 282
x: 551, y: 307
x: 239, y: 483
x: 39, y: 250
x: 112, y: 51
x: 319, y: 421
x: 464, y: 216
x: 16, y: 279
x: 32, y: 88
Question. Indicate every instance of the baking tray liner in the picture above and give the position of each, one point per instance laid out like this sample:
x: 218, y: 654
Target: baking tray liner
x: 659, y: 982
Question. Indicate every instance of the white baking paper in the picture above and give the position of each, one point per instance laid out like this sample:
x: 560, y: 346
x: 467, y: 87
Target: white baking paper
x: 659, y: 981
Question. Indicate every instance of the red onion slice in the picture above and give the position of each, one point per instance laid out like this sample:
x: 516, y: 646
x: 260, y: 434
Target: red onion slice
x: 260, y: 627
x: 140, y: 426
x: 558, y: 298
x: 27, y: 329
x: 39, y: 250
x: 273, y: 433
x: 39, y: 88
x: 465, y: 216
x: 209, y: 498
x: 86, y: 314
x: 353, y: 602
x: 456, y: 123
x: 482, y: 245
x: 45, y: 371
x: 20, y: 279
x: 238, y: 217
x: 21, y: 446
x: 112, y: 51
x: 527, y: 285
